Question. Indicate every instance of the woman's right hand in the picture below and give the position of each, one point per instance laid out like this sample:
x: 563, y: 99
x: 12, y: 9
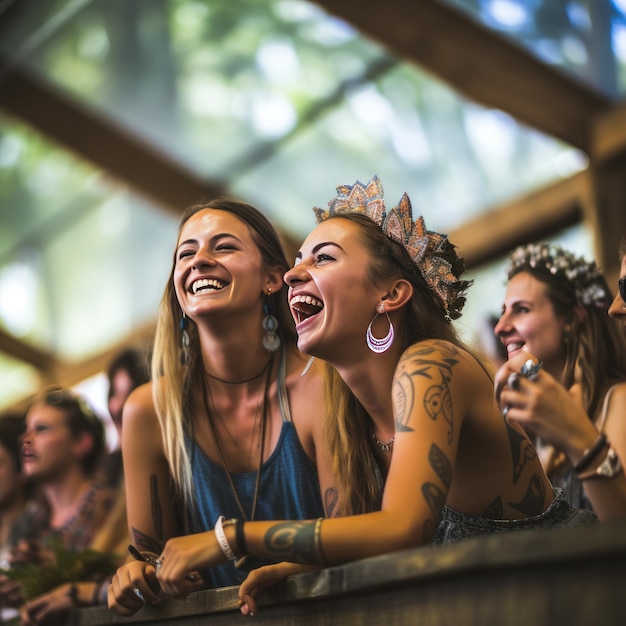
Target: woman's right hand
x: 133, y: 585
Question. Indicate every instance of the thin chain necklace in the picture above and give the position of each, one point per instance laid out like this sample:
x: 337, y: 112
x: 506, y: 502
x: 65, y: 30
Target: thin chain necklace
x: 239, y: 382
x: 262, y: 447
x: 385, y: 446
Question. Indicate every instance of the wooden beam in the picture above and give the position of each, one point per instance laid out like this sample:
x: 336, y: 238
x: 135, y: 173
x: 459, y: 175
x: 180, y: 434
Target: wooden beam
x: 98, y: 139
x: 484, y: 66
x: 609, y: 134
x: 531, y: 218
x: 605, y: 211
x: 41, y: 360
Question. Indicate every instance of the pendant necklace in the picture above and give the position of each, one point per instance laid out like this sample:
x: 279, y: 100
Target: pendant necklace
x: 262, y: 446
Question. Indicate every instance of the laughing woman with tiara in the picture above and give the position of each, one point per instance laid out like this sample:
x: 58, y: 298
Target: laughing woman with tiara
x: 420, y: 451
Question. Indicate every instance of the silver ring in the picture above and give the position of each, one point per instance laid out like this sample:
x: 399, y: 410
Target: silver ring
x: 530, y: 370
x: 138, y: 593
x: 192, y: 578
x: 513, y: 381
x: 505, y: 411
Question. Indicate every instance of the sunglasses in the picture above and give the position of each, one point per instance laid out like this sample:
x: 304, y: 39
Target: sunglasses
x: 622, y: 288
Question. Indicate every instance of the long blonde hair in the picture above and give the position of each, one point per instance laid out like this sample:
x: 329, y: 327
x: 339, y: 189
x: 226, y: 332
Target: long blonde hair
x: 174, y: 381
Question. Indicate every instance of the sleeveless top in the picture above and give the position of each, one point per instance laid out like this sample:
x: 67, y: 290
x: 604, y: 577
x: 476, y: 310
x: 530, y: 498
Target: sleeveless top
x: 288, y: 488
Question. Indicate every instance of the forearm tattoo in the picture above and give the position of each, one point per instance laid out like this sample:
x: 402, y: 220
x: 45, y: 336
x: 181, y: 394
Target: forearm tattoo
x: 145, y: 543
x: 157, y: 511
x: 293, y: 541
x: 437, y: 400
x: 140, y: 539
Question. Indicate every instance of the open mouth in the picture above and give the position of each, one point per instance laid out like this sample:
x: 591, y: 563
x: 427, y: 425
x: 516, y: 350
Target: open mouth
x: 304, y: 307
x: 204, y: 285
x: 512, y: 347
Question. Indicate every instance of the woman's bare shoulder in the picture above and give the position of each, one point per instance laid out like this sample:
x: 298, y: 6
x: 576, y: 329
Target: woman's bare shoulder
x: 139, y: 405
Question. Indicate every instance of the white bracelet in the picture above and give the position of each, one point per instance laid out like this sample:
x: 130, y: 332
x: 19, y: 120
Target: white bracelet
x: 221, y: 539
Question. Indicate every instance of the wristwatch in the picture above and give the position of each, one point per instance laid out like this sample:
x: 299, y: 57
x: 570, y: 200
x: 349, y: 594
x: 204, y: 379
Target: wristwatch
x: 607, y: 469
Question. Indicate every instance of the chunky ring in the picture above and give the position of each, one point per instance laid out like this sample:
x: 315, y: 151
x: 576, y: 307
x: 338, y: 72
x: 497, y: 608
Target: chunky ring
x: 513, y: 381
x: 138, y: 593
x: 530, y: 370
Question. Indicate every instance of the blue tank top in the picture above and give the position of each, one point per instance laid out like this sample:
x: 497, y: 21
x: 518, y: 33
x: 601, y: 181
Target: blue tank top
x: 288, y: 488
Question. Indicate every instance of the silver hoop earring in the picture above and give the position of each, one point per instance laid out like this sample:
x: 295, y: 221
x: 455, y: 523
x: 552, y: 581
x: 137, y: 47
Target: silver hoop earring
x: 383, y: 344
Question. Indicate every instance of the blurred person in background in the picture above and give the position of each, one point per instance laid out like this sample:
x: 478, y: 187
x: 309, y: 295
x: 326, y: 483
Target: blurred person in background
x: 554, y: 323
x: 62, y: 448
x: 22, y: 514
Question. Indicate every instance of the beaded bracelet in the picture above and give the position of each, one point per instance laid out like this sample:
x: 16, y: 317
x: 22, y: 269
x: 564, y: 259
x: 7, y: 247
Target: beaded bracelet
x: 590, y: 453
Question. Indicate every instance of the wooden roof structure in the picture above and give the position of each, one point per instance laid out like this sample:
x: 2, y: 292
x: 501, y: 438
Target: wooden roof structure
x: 483, y: 66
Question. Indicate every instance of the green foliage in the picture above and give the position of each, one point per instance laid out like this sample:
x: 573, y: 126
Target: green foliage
x: 70, y: 566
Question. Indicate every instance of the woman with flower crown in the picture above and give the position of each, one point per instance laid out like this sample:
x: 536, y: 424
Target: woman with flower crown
x: 420, y: 451
x: 555, y: 313
x: 229, y: 423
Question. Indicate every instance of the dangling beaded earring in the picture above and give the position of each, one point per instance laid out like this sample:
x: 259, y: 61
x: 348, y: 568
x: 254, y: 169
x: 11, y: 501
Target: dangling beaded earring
x: 271, y: 341
x: 383, y: 344
x: 185, y: 355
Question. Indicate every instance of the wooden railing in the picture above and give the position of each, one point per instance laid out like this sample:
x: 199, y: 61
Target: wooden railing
x: 570, y: 577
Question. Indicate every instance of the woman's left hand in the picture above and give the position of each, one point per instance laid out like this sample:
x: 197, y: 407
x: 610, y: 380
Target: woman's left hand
x: 181, y: 560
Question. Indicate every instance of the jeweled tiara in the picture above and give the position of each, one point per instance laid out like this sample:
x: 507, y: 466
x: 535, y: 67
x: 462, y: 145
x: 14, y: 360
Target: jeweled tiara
x: 431, y: 251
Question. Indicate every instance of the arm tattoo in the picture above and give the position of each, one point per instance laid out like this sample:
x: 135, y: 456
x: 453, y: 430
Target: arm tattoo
x: 494, y: 510
x: 532, y: 502
x: 403, y: 397
x: 145, y: 543
x: 522, y: 450
x: 428, y: 531
x: 435, y: 498
x: 157, y: 511
x: 293, y: 541
x: 437, y: 400
x: 331, y: 497
x: 440, y: 463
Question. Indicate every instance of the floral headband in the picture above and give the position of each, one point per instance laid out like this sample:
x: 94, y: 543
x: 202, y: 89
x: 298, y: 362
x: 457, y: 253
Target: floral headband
x: 585, y: 277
